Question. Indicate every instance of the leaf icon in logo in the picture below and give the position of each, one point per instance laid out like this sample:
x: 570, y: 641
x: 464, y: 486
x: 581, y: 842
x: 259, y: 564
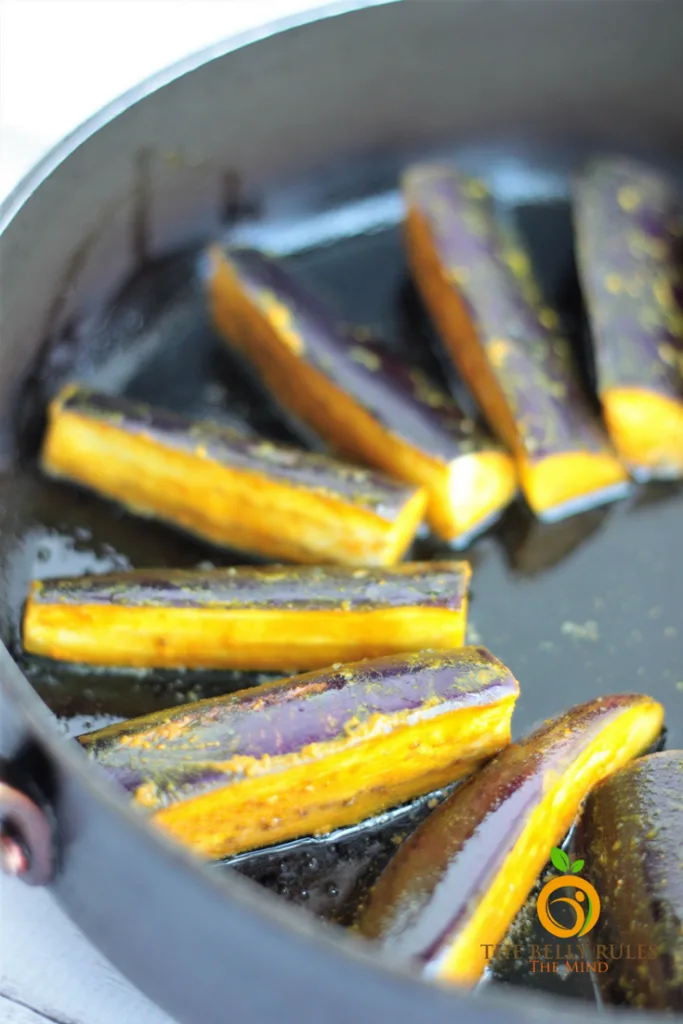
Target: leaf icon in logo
x: 577, y: 865
x: 560, y: 859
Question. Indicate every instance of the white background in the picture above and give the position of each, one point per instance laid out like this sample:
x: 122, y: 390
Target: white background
x: 60, y: 60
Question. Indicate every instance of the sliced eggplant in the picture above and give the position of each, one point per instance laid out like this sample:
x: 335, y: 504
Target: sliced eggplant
x: 228, y: 488
x: 629, y: 236
x: 307, y: 755
x: 456, y: 884
x: 631, y: 835
x: 248, y: 618
x: 364, y: 400
x: 479, y: 287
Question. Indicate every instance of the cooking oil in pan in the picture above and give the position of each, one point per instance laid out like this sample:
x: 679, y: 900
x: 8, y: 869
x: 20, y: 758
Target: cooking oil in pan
x: 589, y: 606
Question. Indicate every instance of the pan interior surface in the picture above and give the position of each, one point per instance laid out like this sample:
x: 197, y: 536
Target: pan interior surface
x: 589, y: 606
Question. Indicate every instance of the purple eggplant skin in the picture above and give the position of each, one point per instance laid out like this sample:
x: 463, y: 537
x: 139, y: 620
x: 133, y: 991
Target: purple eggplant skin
x: 521, y: 336
x: 230, y: 448
x: 188, y: 749
x: 631, y: 837
x: 399, y: 397
x: 268, y: 588
x: 254, y: 619
x: 629, y: 239
x: 364, y: 401
x: 481, y: 838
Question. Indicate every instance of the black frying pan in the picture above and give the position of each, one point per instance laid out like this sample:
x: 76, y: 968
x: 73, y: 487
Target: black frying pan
x: 279, y: 144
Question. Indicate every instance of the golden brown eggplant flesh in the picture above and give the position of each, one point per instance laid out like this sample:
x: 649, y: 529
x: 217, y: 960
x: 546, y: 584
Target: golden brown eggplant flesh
x: 251, y: 618
x: 228, y: 488
x: 310, y: 754
x: 631, y: 836
x: 629, y: 237
x: 456, y: 884
x: 363, y: 399
x: 479, y: 287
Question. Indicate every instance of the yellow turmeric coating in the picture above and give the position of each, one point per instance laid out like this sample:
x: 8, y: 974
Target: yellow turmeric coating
x: 463, y: 961
x: 241, y: 509
x: 553, y: 483
x: 462, y: 494
x: 246, y: 639
x: 647, y: 430
x: 329, y: 785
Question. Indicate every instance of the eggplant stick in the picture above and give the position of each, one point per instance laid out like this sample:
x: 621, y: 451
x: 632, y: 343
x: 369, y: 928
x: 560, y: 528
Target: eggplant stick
x: 456, y: 884
x: 479, y: 288
x: 250, y: 618
x: 233, y: 490
x: 312, y: 753
x: 631, y: 834
x: 629, y: 236
x: 359, y: 396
